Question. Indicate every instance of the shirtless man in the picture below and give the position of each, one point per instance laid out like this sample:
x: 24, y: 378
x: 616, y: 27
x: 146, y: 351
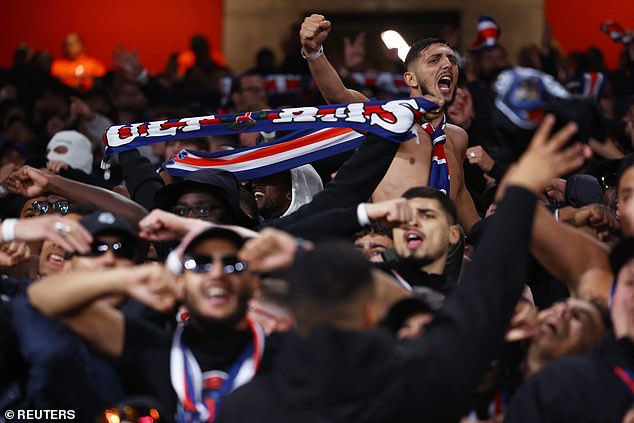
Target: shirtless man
x: 431, y: 69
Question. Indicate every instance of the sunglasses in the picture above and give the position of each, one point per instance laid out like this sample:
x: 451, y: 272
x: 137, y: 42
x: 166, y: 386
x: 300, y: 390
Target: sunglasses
x: 198, y: 210
x: 205, y: 264
x: 118, y: 248
x: 44, y: 207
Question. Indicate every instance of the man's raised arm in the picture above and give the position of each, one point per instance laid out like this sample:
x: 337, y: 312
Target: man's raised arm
x: 572, y: 256
x: 313, y: 33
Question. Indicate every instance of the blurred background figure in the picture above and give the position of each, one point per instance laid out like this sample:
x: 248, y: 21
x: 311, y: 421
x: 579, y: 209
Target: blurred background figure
x: 76, y: 69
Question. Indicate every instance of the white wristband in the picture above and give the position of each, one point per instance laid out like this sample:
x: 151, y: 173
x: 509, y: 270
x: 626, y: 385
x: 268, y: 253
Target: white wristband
x: 8, y: 230
x: 313, y: 56
x: 556, y: 215
x: 362, y: 215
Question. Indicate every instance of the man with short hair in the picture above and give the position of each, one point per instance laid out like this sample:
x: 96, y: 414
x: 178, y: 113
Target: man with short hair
x: 373, y: 241
x: 431, y: 69
x: 422, y: 244
x: 194, y: 365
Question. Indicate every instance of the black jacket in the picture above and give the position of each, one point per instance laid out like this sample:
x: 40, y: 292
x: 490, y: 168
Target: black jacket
x: 339, y: 376
x: 578, y: 389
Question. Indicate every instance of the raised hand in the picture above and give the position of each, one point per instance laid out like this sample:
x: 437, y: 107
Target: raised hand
x: 14, y: 252
x: 273, y: 250
x: 313, y: 33
x: 354, y: 51
x: 56, y: 166
x: 154, y: 286
x: 62, y: 230
x: 28, y: 182
x: 162, y: 226
x: 394, y: 211
x: 598, y: 218
x: 479, y: 157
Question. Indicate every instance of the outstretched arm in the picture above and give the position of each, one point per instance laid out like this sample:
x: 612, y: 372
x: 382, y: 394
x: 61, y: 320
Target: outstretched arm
x: 73, y: 298
x: 457, y: 347
x: 313, y: 33
x: 31, y: 182
x: 572, y: 256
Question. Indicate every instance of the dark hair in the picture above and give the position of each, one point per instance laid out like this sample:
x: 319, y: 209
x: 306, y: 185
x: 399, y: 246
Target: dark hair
x: 327, y: 284
x: 420, y: 46
x: 333, y: 271
x: 376, y: 228
x: 445, y: 202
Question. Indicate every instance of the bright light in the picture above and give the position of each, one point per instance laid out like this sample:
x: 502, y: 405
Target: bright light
x: 112, y: 417
x: 393, y: 39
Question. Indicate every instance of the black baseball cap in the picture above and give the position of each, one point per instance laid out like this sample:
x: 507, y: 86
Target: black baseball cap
x: 216, y: 232
x: 103, y: 221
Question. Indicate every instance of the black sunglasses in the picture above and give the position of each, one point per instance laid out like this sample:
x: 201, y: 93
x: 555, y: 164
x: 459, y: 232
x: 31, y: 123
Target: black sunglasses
x: 45, y: 207
x: 118, y: 248
x: 204, y: 264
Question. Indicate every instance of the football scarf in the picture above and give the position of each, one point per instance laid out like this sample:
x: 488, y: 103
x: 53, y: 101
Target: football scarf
x: 199, y: 394
x: 393, y: 120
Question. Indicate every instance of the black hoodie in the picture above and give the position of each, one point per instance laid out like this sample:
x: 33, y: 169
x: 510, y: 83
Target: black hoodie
x: 344, y: 376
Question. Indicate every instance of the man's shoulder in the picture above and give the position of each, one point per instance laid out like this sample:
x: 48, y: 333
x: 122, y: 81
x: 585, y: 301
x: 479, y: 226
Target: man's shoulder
x: 263, y: 397
x: 456, y: 136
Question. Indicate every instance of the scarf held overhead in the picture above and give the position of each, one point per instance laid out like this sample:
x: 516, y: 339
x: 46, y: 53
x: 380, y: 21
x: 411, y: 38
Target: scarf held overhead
x: 392, y: 120
x: 317, y: 133
x: 293, y: 150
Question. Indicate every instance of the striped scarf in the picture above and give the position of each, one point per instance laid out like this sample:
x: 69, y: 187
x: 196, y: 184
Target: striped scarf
x: 392, y: 120
x: 320, y: 132
x: 439, y: 171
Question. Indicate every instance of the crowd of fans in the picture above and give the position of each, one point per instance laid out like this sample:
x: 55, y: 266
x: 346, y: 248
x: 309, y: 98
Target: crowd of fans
x: 359, y: 287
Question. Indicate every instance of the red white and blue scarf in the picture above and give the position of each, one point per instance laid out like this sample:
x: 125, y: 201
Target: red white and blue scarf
x: 439, y: 171
x: 393, y: 120
x: 200, y: 394
x: 265, y: 159
x: 320, y: 132
x: 295, y: 150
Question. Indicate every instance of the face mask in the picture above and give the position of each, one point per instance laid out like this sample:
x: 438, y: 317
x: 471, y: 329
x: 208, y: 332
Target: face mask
x: 73, y: 148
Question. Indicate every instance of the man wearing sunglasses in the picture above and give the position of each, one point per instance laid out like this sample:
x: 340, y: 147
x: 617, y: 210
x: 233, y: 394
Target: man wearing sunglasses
x: 115, y: 242
x: 63, y: 370
x: 194, y: 365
